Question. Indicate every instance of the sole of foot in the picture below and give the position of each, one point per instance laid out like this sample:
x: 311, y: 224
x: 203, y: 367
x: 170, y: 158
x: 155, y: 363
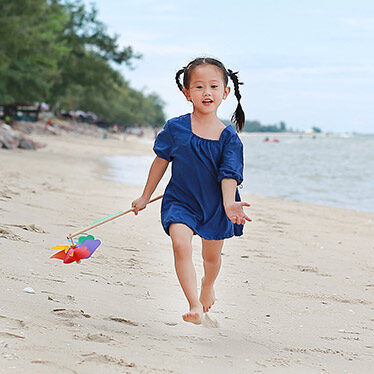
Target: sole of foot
x: 194, y: 317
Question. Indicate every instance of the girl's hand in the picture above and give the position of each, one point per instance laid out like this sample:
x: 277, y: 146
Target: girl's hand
x: 139, y: 204
x: 235, y: 213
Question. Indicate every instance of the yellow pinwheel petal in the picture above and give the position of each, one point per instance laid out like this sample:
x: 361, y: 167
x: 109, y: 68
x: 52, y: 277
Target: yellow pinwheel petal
x: 61, y: 247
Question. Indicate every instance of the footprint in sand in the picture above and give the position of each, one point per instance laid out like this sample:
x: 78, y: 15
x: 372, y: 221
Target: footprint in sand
x: 105, y: 359
x: 47, y: 186
x: 312, y: 269
x: 278, y: 228
x: 6, y: 234
x: 308, y: 269
x: 99, y: 338
x: 65, y: 313
x: 53, y: 367
x: 14, y: 327
x: 209, y: 322
x: 261, y: 255
x: 31, y: 227
x: 326, y: 351
x: 6, y: 194
x: 123, y: 320
x: 58, y: 298
x: 13, y: 322
x: 171, y: 323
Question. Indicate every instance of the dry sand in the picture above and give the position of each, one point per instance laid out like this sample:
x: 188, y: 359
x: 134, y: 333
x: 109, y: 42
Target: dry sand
x: 295, y: 294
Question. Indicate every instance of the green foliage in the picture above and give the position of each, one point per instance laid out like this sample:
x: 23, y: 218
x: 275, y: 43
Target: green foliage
x: 122, y: 105
x: 256, y: 126
x: 29, y: 49
x: 316, y: 129
x: 59, y: 52
x: 91, y: 50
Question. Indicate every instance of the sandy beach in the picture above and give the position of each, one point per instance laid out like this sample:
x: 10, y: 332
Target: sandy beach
x: 295, y: 294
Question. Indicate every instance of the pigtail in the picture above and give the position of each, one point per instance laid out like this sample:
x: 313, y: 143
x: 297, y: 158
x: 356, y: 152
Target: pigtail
x: 238, y: 117
x: 177, y: 78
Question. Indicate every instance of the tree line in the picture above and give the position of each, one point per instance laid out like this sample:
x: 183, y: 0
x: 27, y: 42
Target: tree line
x: 257, y: 126
x: 58, y: 52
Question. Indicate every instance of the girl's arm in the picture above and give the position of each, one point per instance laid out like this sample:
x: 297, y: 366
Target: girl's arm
x: 233, y: 209
x: 156, y: 172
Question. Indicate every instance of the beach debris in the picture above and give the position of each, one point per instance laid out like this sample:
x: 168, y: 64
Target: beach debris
x: 17, y: 135
x: 10, y: 139
x: 29, y: 290
x: 85, y: 247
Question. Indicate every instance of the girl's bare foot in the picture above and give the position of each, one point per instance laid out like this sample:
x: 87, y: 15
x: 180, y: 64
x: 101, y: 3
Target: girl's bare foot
x: 207, y: 296
x: 194, y: 315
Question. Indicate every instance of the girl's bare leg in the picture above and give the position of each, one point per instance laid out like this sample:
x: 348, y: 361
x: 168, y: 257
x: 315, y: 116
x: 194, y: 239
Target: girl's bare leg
x: 212, y: 264
x: 181, y: 236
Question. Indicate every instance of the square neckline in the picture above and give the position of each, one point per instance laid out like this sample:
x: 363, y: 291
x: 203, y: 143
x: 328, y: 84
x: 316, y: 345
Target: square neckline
x: 200, y: 137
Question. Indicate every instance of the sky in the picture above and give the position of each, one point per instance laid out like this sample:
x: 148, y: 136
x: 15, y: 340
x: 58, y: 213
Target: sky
x: 307, y: 63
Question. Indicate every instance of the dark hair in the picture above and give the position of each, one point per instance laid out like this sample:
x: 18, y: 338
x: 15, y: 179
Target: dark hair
x: 238, y: 117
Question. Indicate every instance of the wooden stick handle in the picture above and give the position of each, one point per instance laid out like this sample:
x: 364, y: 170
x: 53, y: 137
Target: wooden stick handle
x: 70, y: 236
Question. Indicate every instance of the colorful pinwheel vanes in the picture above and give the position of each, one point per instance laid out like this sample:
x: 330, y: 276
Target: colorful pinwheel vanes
x: 83, y: 249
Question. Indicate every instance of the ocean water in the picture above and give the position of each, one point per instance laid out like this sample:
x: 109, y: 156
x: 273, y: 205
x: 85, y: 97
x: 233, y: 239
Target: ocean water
x: 333, y: 170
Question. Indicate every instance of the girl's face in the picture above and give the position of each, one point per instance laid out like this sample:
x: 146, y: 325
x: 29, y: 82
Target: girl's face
x: 207, y: 89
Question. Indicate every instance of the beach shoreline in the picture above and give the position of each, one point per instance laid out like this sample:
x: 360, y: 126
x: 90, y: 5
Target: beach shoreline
x: 294, y: 294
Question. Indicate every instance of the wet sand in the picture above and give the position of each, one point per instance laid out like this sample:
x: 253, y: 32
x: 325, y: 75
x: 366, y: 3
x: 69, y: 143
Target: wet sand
x: 295, y: 294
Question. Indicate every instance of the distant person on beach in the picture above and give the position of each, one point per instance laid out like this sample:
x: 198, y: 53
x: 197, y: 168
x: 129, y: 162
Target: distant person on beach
x: 207, y: 166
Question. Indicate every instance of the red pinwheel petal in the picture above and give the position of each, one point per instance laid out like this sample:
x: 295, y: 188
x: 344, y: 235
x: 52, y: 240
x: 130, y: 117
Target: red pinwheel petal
x: 68, y: 259
x: 69, y: 256
x: 60, y: 255
x: 80, y: 253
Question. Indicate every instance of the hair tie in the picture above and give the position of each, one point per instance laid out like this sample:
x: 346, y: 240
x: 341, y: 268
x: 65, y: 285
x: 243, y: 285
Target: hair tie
x: 233, y: 75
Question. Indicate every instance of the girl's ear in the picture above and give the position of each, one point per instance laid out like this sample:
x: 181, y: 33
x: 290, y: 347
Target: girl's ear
x: 186, y: 93
x: 226, y: 93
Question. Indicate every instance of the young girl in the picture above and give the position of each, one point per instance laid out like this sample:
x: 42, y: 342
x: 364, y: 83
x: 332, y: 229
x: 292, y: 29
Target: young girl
x: 207, y: 165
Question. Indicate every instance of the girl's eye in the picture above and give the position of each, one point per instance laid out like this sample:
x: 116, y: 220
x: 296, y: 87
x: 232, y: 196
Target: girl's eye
x: 199, y: 86
x: 214, y: 86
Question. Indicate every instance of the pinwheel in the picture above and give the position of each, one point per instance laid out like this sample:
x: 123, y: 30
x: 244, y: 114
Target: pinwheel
x: 77, y: 251
x: 86, y: 245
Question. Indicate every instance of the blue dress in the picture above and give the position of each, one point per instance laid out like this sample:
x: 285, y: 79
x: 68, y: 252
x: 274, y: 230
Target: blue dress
x: 193, y: 195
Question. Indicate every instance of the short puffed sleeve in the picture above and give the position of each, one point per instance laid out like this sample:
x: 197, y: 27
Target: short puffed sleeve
x: 164, y: 143
x: 232, y: 160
